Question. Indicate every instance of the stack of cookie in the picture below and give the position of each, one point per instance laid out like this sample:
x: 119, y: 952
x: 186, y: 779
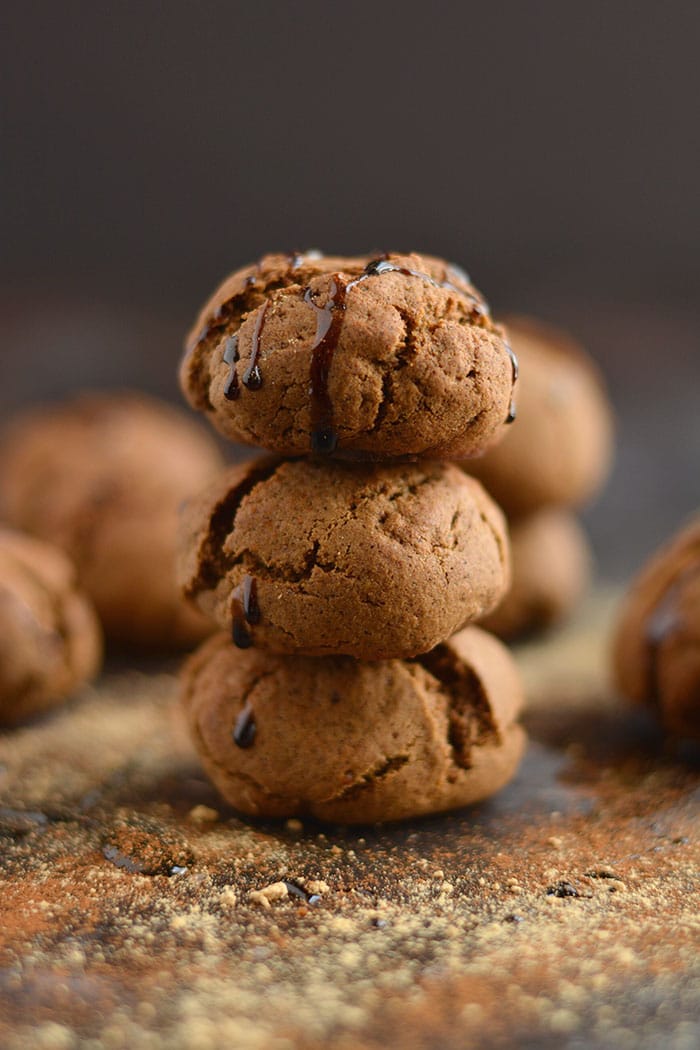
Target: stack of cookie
x: 556, y: 459
x: 345, y: 683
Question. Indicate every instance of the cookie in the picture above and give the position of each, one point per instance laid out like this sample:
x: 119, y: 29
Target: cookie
x: 559, y: 451
x: 354, y: 742
x: 50, y: 639
x: 551, y: 565
x: 656, y: 650
x: 372, y: 357
x: 319, y: 557
x: 103, y: 477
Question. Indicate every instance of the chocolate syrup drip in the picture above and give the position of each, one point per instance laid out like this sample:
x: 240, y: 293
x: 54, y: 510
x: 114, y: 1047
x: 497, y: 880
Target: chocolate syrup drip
x: 383, y: 265
x: 297, y: 259
x: 245, y: 611
x: 232, y: 389
x: 219, y: 318
x: 329, y: 324
x: 453, y: 271
x: 663, y: 621
x: 252, y: 377
x: 510, y: 418
x: 245, y: 728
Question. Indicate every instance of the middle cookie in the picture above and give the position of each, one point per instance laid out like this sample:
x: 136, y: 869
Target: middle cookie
x: 369, y: 561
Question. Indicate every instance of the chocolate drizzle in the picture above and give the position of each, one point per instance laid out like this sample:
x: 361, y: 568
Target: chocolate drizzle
x: 329, y: 324
x: 232, y: 389
x: 454, y: 272
x: 383, y: 265
x: 246, y: 612
x: 329, y: 321
x: 245, y: 728
x: 221, y: 315
x: 252, y: 377
x: 510, y: 418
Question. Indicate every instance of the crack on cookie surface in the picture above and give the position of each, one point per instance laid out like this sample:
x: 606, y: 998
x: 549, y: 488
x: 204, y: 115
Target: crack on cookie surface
x: 213, y: 563
x: 388, y: 765
x: 423, y: 311
x: 470, y: 717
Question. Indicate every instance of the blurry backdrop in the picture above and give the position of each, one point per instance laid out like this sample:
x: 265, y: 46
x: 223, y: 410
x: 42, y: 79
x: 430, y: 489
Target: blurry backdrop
x: 552, y: 149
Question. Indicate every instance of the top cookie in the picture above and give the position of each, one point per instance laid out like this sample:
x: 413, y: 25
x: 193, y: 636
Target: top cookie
x: 560, y: 450
x: 373, y: 357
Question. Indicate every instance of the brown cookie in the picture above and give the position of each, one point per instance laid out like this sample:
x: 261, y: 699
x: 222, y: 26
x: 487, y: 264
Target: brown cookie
x: 103, y: 477
x: 50, y: 639
x: 355, y: 742
x: 559, y: 450
x: 551, y: 565
x: 321, y: 558
x: 372, y: 357
x: 656, y: 652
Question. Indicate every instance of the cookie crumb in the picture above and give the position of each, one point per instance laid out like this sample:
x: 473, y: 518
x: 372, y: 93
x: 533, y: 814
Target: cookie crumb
x: 316, y: 886
x: 276, y: 891
x: 203, y: 815
x: 228, y: 897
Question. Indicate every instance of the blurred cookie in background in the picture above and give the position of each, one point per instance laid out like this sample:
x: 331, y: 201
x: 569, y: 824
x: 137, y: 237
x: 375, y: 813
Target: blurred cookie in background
x: 551, y: 566
x: 103, y: 477
x: 656, y: 648
x: 50, y: 637
x: 559, y: 451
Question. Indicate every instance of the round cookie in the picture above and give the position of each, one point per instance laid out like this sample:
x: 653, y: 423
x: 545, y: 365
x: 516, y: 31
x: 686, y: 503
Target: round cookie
x: 355, y: 742
x: 103, y: 477
x: 321, y: 558
x: 559, y: 452
x: 50, y: 639
x: 656, y: 650
x: 551, y: 565
x: 371, y: 357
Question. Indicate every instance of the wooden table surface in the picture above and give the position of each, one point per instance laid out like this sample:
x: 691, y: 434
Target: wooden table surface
x: 562, y: 913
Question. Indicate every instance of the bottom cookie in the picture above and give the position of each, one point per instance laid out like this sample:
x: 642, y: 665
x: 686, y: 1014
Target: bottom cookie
x: 551, y: 566
x: 354, y: 742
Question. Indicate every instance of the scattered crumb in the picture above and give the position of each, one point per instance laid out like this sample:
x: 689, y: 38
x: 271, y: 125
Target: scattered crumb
x: 317, y: 886
x: 276, y: 891
x: 203, y: 815
x: 372, y: 946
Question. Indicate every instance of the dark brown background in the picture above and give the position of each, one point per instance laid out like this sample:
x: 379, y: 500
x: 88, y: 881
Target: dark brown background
x: 551, y: 149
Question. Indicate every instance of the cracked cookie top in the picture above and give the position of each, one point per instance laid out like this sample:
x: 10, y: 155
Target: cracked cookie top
x: 356, y: 742
x: 373, y: 357
x: 373, y: 561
